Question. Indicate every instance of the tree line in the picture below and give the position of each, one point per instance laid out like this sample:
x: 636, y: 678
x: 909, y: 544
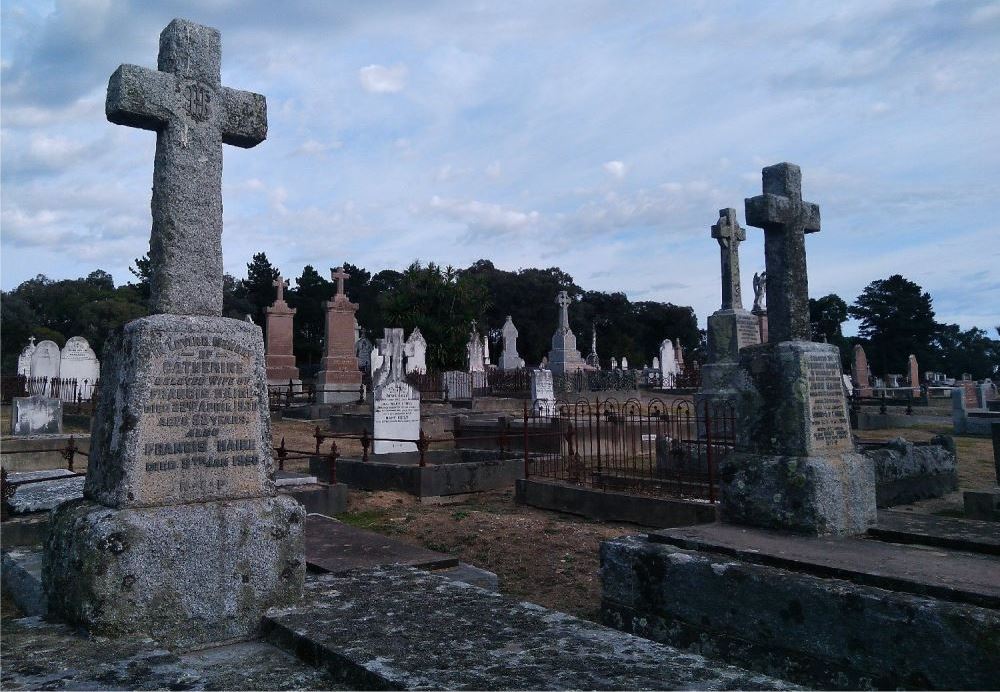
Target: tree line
x: 896, y: 317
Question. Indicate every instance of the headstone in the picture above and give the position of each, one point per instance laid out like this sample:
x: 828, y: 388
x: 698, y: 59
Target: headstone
x: 79, y: 369
x: 45, y: 362
x: 679, y: 353
x: 848, y: 385
x: 656, y: 363
x: 339, y: 379
x: 375, y: 359
x: 624, y: 363
x: 363, y: 351
x: 614, y: 363
x: 894, y: 380
x: 24, y: 360
x: 180, y: 535
x: 730, y: 328
x: 474, y: 351
x: 395, y: 404
x: 280, y: 355
x: 509, y: 359
x: 543, y: 396
x: 860, y: 373
x: 35, y: 415
x: 795, y: 465
x: 593, y: 360
x: 563, y: 356
x: 415, y: 350
x: 914, y: 375
x: 668, y: 363
x: 390, y: 357
x: 486, y: 352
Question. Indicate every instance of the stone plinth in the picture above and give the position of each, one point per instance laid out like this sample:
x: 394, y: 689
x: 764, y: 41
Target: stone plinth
x: 35, y: 415
x: 339, y: 379
x: 187, y: 419
x: 185, y: 574
x: 564, y: 357
x: 728, y: 332
x: 280, y: 355
x: 795, y: 467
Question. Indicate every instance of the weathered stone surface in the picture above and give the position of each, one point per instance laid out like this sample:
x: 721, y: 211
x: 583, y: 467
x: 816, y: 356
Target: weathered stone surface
x: 184, y: 417
x: 983, y: 505
x: 339, y: 379
x: 35, y: 415
x: 509, y: 359
x: 77, y: 361
x: 45, y: 362
x: 280, y: 330
x: 564, y: 356
x: 729, y: 331
x: 406, y: 629
x: 543, y: 398
x: 42, y: 496
x: 906, y: 472
x: 185, y: 575
x: 728, y: 232
x: 24, y: 359
x: 183, y: 100
x: 475, y: 355
x: 40, y: 655
x: 818, y: 631
x: 415, y: 350
x: 905, y: 526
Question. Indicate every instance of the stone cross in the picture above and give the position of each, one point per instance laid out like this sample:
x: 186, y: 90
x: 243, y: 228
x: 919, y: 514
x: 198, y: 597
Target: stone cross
x: 193, y: 115
x: 785, y: 219
x: 281, y: 286
x: 730, y: 234
x: 339, y: 274
x: 563, y: 301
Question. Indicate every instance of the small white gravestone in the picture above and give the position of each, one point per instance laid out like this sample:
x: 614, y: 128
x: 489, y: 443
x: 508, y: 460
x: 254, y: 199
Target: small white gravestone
x: 656, y: 363
x: 509, y: 360
x: 395, y: 404
x: 668, y: 363
x: 614, y: 363
x: 415, y: 350
x: 624, y: 363
x: 363, y: 351
x: 45, y: 362
x: 79, y: 362
x: 543, y: 398
x: 35, y: 415
x: 486, y: 352
x: 24, y: 360
x: 376, y: 361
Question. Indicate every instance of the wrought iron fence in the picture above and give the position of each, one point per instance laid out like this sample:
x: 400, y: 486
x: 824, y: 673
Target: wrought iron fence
x: 582, y: 381
x: 508, y: 383
x: 81, y: 395
x: 633, y: 447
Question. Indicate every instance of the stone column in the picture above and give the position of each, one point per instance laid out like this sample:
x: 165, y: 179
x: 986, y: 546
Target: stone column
x: 339, y: 378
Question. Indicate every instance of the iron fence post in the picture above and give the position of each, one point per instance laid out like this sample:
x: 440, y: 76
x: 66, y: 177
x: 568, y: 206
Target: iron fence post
x: 70, y: 453
x: 708, y: 452
x: 332, y: 459
x: 365, y: 440
x: 422, y: 444
x: 282, y: 453
x: 525, y: 438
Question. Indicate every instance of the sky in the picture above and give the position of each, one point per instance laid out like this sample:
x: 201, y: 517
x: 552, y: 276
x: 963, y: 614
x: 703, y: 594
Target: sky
x: 599, y: 137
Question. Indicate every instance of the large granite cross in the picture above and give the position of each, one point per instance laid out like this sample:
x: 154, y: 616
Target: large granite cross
x: 730, y: 234
x: 563, y: 301
x: 785, y: 219
x: 193, y: 115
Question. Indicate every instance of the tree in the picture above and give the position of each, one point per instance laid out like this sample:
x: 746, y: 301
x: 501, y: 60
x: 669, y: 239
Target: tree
x: 826, y: 316
x: 971, y: 351
x: 257, y: 291
x: 897, y: 319
x: 307, y: 298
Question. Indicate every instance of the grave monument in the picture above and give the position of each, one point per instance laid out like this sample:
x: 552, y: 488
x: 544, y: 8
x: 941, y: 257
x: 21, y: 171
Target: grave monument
x: 77, y: 361
x: 280, y: 356
x: 543, y: 396
x: 564, y: 357
x: 24, y: 359
x: 45, y: 362
x: 474, y: 351
x: 415, y: 350
x: 731, y: 327
x: 180, y: 534
x: 860, y: 372
x: 795, y: 467
x: 395, y: 404
x: 339, y: 379
x: 668, y: 363
x: 593, y: 360
x: 760, y: 303
x: 509, y: 359
x: 914, y: 372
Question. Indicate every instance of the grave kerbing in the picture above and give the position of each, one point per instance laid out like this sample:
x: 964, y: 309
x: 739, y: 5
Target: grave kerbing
x: 795, y: 467
x: 180, y: 534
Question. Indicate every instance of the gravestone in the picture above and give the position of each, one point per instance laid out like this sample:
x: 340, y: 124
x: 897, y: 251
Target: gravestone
x: 24, y: 359
x: 363, y: 351
x: 860, y: 373
x: 180, y: 534
x: 593, y: 360
x: 474, y: 352
x: 914, y: 375
x: 614, y: 363
x: 563, y: 356
x: 415, y: 350
x: 376, y: 361
x: 45, y: 362
x: 795, y: 465
x: 395, y: 404
x: 730, y: 328
x: 339, y: 379
x: 486, y: 352
x: 679, y: 353
x: 668, y: 363
x: 656, y: 362
x: 509, y: 359
x: 543, y: 396
x: 280, y: 356
x: 35, y: 415
x: 624, y: 363
x: 77, y: 361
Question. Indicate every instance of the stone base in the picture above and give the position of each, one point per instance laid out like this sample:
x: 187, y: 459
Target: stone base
x: 186, y: 575
x: 812, y: 495
x: 729, y: 331
x: 274, y: 383
x: 906, y: 472
x: 828, y: 613
x: 345, y: 396
x: 35, y: 415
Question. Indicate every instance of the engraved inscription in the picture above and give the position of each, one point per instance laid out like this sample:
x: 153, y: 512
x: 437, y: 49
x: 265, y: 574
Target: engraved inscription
x: 201, y: 420
x: 197, y: 103
x: 827, y: 406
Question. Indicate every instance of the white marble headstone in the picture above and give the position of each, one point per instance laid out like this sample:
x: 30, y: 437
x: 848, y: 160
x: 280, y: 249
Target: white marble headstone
x: 45, y: 362
x: 397, y: 417
x: 668, y: 361
x: 24, y: 360
x: 78, y: 361
x: 415, y: 350
x: 543, y: 396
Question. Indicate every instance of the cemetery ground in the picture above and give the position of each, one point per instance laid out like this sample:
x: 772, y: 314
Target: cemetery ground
x: 551, y: 558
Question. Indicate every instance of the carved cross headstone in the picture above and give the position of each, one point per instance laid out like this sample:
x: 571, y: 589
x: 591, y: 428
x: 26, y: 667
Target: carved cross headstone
x: 339, y: 275
x: 281, y: 285
x: 785, y: 219
x: 193, y: 115
x: 730, y: 234
x: 563, y: 301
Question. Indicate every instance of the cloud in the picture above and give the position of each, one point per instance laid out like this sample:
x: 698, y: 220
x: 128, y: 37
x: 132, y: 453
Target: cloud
x: 483, y: 219
x: 311, y: 147
x: 616, y: 169
x: 378, y: 79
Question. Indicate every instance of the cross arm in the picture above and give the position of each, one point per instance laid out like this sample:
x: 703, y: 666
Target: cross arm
x: 244, y: 119
x: 767, y: 210
x: 810, y: 217
x: 139, y: 97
